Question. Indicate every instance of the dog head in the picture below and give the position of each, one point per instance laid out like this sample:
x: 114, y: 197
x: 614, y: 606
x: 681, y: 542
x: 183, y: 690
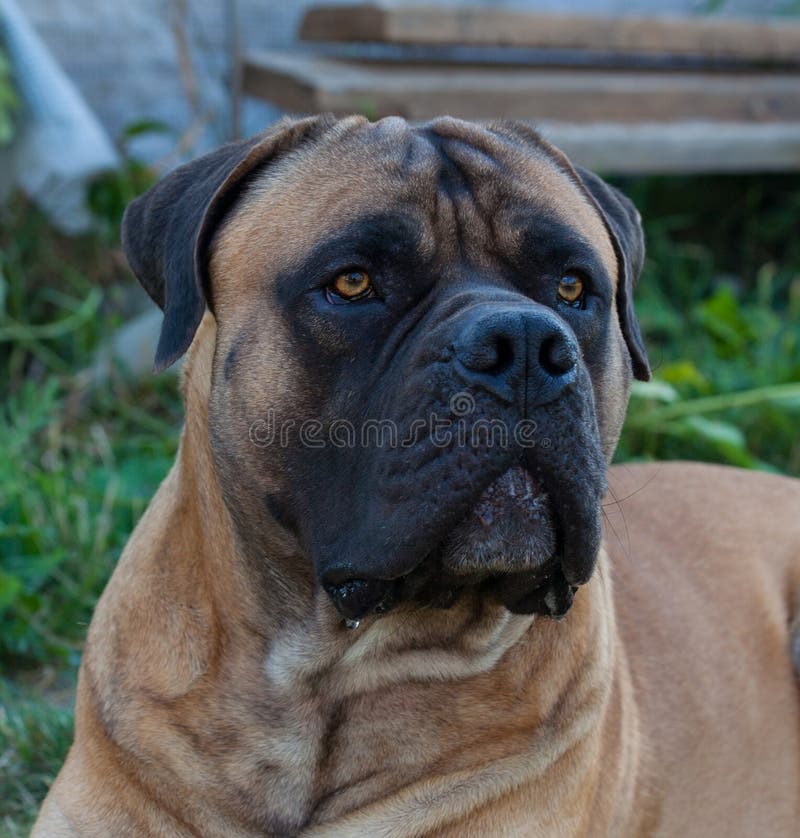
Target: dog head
x: 425, y: 343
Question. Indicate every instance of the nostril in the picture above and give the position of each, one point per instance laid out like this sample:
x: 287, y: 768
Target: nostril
x: 504, y: 354
x: 557, y: 355
x: 493, y: 354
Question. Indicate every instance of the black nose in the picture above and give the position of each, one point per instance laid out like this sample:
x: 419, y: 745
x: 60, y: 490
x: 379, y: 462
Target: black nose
x: 513, y: 352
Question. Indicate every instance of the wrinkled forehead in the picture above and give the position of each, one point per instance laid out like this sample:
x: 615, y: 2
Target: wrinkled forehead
x: 470, y: 191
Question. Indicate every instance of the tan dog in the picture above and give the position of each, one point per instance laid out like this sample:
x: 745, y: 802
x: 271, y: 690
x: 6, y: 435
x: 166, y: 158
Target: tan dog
x: 337, y: 615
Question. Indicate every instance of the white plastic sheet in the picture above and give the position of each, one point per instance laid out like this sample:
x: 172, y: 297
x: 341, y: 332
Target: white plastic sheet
x: 58, y: 143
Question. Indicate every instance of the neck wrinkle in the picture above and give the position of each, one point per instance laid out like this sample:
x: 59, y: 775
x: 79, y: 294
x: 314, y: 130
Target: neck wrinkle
x: 478, y: 725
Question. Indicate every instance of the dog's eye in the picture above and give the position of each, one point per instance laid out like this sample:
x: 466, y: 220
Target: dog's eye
x: 571, y: 290
x: 350, y: 285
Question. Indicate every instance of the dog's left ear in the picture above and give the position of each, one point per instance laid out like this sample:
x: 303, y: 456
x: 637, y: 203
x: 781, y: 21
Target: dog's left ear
x: 625, y: 226
x: 166, y: 232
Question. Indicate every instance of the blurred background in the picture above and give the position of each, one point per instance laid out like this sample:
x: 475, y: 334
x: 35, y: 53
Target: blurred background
x: 696, y: 116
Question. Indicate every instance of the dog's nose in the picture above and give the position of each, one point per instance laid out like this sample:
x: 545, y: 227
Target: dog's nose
x: 508, y: 349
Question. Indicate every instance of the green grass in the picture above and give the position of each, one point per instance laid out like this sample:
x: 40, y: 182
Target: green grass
x: 77, y: 463
x: 78, y: 466
x: 34, y: 737
x: 719, y: 303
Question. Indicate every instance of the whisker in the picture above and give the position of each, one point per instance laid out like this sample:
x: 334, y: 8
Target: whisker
x: 626, y: 548
x: 644, y: 485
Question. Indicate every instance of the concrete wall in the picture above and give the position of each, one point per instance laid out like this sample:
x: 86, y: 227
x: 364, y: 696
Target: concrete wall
x: 124, y: 55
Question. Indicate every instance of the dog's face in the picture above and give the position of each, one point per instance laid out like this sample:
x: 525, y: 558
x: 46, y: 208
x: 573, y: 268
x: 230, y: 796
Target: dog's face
x: 425, y: 343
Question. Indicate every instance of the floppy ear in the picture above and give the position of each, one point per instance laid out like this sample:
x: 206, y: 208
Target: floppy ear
x: 625, y: 225
x: 166, y: 232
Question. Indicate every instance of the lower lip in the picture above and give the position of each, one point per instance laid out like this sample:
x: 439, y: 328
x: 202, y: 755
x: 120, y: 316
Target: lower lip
x: 515, y: 487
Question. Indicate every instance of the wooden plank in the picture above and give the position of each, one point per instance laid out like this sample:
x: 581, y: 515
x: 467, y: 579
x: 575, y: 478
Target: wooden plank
x: 754, y: 40
x: 306, y: 83
x: 679, y: 148
x: 483, y: 55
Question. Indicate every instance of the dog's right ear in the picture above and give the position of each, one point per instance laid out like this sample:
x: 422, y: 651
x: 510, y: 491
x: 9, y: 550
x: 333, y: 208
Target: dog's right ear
x: 625, y: 225
x: 166, y: 232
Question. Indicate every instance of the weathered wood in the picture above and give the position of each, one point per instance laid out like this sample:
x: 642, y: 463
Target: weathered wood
x: 680, y: 147
x: 755, y: 40
x: 483, y: 55
x: 306, y: 83
x: 614, y: 120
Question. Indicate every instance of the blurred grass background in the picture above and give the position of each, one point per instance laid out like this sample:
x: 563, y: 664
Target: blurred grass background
x: 719, y: 302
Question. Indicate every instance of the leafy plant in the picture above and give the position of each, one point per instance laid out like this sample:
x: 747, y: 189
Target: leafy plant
x: 719, y: 302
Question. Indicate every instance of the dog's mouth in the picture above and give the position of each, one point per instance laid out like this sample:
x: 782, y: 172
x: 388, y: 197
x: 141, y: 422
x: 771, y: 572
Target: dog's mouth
x: 509, y: 530
x: 507, y: 542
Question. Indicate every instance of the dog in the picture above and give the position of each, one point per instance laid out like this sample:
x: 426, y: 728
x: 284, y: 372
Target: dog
x: 372, y: 597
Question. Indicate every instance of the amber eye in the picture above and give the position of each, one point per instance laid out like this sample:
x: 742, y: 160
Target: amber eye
x: 352, y: 285
x: 571, y: 289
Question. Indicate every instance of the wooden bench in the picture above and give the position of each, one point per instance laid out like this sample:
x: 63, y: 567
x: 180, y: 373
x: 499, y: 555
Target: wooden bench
x: 623, y: 95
